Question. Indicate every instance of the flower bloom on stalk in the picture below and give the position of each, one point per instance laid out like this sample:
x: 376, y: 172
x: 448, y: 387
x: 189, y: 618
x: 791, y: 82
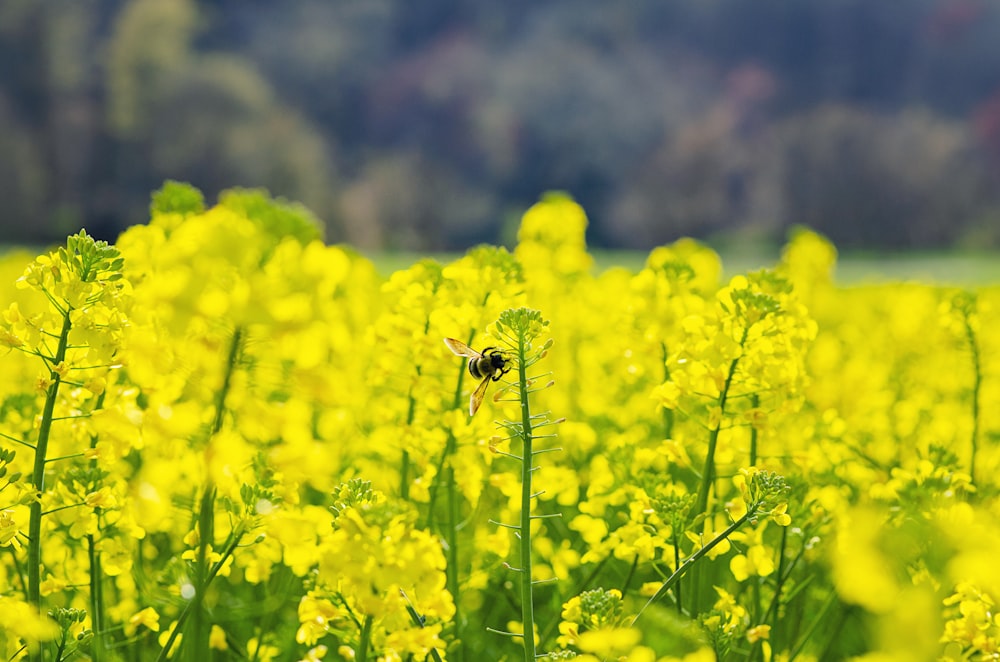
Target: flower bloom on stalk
x: 594, y: 623
x: 551, y: 238
x: 763, y: 492
x: 752, y: 342
x: 973, y: 620
x: 375, y: 563
x: 726, y: 620
x: 674, y: 284
x: 756, y: 559
x: 8, y: 530
x: 147, y: 618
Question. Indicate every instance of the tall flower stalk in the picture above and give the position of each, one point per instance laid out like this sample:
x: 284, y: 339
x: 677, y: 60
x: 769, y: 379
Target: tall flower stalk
x: 518, y: 329
x: 965, y: 304
x: 85, y: 290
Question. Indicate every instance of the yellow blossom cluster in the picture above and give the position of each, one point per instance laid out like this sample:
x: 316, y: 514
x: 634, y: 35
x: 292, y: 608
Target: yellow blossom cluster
x: 221, y: 438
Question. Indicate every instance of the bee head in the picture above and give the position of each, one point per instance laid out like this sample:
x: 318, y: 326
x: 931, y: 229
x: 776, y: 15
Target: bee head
x: 498, y: 361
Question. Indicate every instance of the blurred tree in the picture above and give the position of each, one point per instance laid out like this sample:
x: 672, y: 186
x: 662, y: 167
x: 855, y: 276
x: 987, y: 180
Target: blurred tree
x: 659, y: 117
x: 149, y: 50
x: 704, y: 177
x: 49, y: 133
x: 903, y: 180
x: 207, y: 119
x: 412, y: 202
x: 23, y: 180
x: 694, y: 184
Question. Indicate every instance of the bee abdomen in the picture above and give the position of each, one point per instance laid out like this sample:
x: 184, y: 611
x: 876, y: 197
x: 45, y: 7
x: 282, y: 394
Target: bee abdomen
x: 475, y: 369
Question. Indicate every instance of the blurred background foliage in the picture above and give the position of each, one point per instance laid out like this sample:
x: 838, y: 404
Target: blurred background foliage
x: 432, y: 125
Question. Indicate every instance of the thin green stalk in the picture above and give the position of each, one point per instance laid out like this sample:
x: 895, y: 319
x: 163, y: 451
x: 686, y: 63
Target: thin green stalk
x: 527, y: 460
x: 96, y: 572
x: 754, y: 402
x: 708, y: 473
x: 404, y: 462
x: 197, y: 647
x: 366, y: 633
x: 61, y: 647
x: 630, y: 575
x: 411, y: 410
x: 96, y: 600
x: 197, y: 641
x: 38, y: 481
x: 689, y: 562
x: 419, y: 621
x: 677, y: 564
x: 977, y: 384
x: 814, y: 626
x: 450, y: 444
x: 451, y: 571
x: 782, y: 575
x: 668, y: 414
x: 227, y: 380
x: 234, y: 540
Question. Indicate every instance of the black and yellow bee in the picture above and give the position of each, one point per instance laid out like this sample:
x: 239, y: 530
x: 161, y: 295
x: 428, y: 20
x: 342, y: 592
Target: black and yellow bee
x: 487, y: 365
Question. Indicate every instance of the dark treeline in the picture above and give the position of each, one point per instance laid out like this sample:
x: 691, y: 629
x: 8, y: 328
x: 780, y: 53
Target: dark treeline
x: 433, y: 124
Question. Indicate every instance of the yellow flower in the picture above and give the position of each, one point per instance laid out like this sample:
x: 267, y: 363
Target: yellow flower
x: 217, y: 639
x: 147, y: 618
x: 52, y: 585
x: 779, y: 516
x: 8, y: 530
x: 608, y: 642
x: 315, y: 654
x: 23, y: 621
x: 103, y: 498
x: 758, y: 633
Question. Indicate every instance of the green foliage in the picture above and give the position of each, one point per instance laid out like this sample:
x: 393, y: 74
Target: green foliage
x: 276, y: 217
x: 177, y: 198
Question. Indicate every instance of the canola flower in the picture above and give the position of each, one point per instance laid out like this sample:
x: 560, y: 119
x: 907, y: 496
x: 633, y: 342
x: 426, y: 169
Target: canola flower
x: 221, y: 438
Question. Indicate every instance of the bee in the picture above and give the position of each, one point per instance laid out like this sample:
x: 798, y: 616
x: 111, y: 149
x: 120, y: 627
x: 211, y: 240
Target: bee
x: 488, y: 365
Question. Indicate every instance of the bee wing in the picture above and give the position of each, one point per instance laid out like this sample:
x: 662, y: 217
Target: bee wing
x: 460, y: 348
x: 476, y: 399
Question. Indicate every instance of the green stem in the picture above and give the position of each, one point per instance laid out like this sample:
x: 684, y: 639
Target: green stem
x: 754, y: 402
x: 419, y: 621
x: 38, y: 482
x: 677, y: 564
x: 690, y: 561
x: 234, y: 540
x: 96, y: 572
x: 96, y: 600
x: 449, y: 447
x: 404, y: 475
x: 708, y: 473
x: 227, y: 380
x: 974, y: 346
x: 404, y: 467
x: 411, y: 411
x: 668, y: 414
x: 630, y: 575
x: 197, y: 647
x: 527, y: 457
x: 196, y: 644
x: 366, y: 633
x: 782, y: 576
x: 814, y: 626
x: 451, y: 575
